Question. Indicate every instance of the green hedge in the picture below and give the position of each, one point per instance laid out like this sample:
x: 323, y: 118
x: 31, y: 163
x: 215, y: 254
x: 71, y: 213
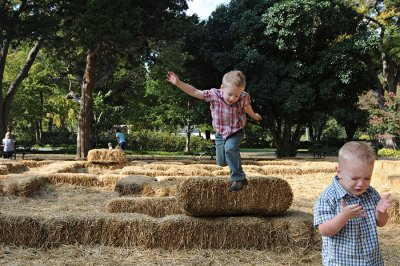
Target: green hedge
x: 148, y: 140
x: 388, y: 153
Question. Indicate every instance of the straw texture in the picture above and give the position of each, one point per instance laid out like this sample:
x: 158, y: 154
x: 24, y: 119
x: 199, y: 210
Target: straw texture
x: 133, y: 185
x: 107, y: 156
x: 152, y: 206
x: 172, y: 232
x: 210, y: 196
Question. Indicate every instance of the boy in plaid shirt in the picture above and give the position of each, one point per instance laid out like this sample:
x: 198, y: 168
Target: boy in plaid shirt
x: 348, y: 211
x: 229, y: 106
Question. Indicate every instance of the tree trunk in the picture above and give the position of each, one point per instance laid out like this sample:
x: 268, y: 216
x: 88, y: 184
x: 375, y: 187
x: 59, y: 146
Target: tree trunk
x: 189, y: 130
x: 287, y: 141
x: 86, y: 106
x: 5, y: 104
x: 38, y: 132
x: 391, y: 73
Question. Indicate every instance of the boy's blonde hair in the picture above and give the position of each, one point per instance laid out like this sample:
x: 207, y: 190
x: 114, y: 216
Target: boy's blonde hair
x: 356, y: 150
x: 234, y: 78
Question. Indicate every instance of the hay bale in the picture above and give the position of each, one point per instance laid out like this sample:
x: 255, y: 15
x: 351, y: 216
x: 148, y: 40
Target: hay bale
x: 59, y: 167
x: 106, y: 156
x: 248, y: 232
x: 160, y: 189
x: 394, y: 212
x: 276, y: 162
x: 389, y: 166
x: 317, y: 169
x: 171, y: 232
x: 16, y: 167
x: 282, y: 170
x: 109, y: 180
x: 152, y: 206
x: 394, y: 180
x: 210, y: 196
x: 22, y: 185
x: 77, y: 179
x: 140, y: 170
x: 132, y: 185
x: 3, y: 170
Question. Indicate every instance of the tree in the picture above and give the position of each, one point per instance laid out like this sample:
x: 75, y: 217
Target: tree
x: 383, y: 17
x: 296, y: 59
x: 385, y: 123
x: 100, y: 27
x: 170, y: 107
x: 22, y: 22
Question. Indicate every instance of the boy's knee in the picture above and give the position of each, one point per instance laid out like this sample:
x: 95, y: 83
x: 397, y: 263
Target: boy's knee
x: 231, y: 149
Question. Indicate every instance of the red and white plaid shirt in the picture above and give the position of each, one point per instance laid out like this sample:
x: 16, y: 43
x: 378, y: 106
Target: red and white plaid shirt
x: 226, y: 119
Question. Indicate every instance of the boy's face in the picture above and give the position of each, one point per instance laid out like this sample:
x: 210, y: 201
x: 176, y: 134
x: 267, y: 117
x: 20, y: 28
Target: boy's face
x: 231, y: 93
x: 355, y: 176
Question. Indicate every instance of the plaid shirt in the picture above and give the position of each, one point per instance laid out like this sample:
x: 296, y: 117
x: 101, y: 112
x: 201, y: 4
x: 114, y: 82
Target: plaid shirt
x: 357, y: 242
x: 226, y: 119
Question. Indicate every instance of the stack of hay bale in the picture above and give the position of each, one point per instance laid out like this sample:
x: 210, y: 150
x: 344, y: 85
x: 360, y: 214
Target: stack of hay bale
x: 114, y: 158
x: 205, y: 214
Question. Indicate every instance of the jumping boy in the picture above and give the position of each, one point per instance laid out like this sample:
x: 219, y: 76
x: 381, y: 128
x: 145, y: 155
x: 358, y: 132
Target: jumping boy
x: 229, y: 106
x: 349, y: 210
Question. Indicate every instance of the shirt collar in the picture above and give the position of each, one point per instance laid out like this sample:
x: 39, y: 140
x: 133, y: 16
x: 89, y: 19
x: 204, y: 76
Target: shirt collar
x: 340, y: 191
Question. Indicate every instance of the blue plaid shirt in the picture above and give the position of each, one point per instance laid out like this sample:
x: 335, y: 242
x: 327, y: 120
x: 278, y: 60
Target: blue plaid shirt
x: 357, y: 242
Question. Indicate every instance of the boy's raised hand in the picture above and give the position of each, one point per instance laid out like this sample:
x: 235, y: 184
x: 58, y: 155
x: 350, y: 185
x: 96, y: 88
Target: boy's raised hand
x: 384, y: 203
x: 257, y: 117
x: 353, y: 210
x: 172, y: 78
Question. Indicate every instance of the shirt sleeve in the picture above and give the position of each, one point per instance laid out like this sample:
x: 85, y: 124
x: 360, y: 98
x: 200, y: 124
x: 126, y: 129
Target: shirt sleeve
x: 246, y: 99
x: 210, y: 95
x: 324, y: 210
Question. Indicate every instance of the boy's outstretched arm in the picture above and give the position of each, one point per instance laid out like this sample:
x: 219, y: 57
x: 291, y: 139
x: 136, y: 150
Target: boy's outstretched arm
x: 249, y: 110
x: 334, y: 225
x: 381, y: 213
x: 188, y: 89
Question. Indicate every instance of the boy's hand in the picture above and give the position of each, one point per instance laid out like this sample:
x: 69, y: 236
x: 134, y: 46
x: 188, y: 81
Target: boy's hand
x: 257, y: 117
x: 352, y: 211
x: 384, y: 203
x: 172, y: 78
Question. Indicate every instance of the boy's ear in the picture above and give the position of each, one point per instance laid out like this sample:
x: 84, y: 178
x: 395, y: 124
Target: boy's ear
x: 338, y: 171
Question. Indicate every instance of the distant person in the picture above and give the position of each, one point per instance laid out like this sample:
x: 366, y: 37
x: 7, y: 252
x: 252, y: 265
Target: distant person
x: 120, y: 138
x: 229, y: 105
x: 9, y: 146
x: 349, y: 210
x: 110, y: 146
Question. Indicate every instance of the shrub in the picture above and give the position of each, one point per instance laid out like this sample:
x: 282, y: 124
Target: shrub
x: 388, y: 153
x: 148, y: 140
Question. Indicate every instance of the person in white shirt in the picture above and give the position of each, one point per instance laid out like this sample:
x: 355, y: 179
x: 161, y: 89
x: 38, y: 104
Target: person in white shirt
x: 9, y: 145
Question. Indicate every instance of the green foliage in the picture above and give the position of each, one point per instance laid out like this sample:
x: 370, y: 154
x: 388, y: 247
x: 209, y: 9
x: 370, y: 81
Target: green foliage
x: 333, y: 130
x: 255, y: 137
x: 58, y: 138
x: 297, y: 60
x: 388, y: 153
x: 148, y: 140
x: 386, y: 120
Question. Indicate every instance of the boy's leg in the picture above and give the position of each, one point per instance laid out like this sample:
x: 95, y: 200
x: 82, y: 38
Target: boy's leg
x: 220, y: 150
x: 232, y: 156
